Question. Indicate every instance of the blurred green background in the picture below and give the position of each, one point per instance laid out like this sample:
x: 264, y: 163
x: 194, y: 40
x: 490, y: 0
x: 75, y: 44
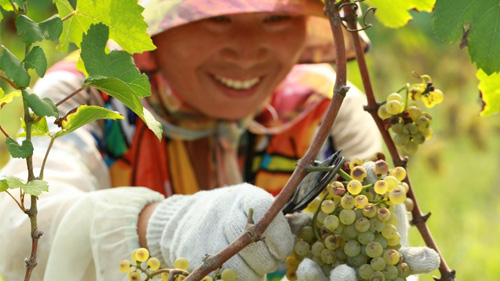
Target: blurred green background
x: 455, y: 175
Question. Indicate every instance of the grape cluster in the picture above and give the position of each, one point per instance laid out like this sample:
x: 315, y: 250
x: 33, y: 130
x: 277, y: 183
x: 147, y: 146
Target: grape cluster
x: 354, y: 224
x: 411, y: 125
x: 141, y: 255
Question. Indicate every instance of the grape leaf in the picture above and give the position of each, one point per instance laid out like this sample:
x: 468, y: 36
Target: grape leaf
x: 41, y: 107
x: 3, y: 185
x: 481, y: 18
x: 13, y: 67
x: 489, y: 85
x: 14, y: 182
x: 5, y: 4
x: 19, y: 151
x: 36, y: 187
x: 395, y: 13
x: 32, y: 32
x: 38, y: 129
x: 6, y: 99
x: 82, y: 115
x: 123, y: 17
x: 36, y: 60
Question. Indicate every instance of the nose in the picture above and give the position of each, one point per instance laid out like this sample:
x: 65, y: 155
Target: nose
x: 246, y: 46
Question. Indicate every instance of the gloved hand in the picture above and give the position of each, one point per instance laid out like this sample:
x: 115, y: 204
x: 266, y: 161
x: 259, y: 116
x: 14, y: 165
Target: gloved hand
x: 192, y: 226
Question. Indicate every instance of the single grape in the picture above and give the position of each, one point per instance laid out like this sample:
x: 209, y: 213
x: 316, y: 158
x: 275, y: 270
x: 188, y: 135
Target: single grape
x: 366, y: 237
x: 399, y: 173
x: 331, y: 222
x: 411, y: 147
x: 359, y: 260
x: 362, y: 224
x: 416, y: 91
x: 153, y: 264
x: 306, y: 233
x: 317, y: 247
x: 378, y: 263
x: 427, y: 133
x: 397, y: 195
x: 328, y: 256
x: 339, y: 229
x: 401, y: 139
x: 382, y: 112
x: 332, y: 242
x: 394, y: 220
x: 336, y: 188
x: 381, y: 240
x: 377, y: 276
x: 229, y: 274
x: 321, y: 217
x: 403, y: 270
x: 124, y: 266
x: 365, y: 271
x: 328, y: 206
x: 352, y: 248
x: 360, y: 201
x: 393, y: 107
x: 390, y: 272
x: 389, y: 232
x: 339, y: 252
x: 410, y: 129
x: 381, y: 167
x: 347, y: 202
x: 140, y: 255
x: 381, y: 187
x: 181, y: 263
x: 415, y: 112
x: 437, y: 96
x: 134, y: 276
x: 317, y: 260
x: 374, y: 249
x: 428, y: 101
x: 301, y: 248
x: 394, y: 96
x: 391, y: 256
x: 394, y: 241
x: 409, y: 204
x: 354, y: 187
x: 358, y: 173
x: 384, y: 214
x: 398, y: 127
x: 392, y: 181
x: 350, y: 231
x: 376, y: 225
x: 370, y: 210
x: 422, y: 122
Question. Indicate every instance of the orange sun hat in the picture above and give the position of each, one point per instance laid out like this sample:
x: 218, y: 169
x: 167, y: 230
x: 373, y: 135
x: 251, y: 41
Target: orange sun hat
x: 161, y: 15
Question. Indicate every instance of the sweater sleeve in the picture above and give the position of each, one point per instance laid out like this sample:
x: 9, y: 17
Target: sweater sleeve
x: 78, y: 216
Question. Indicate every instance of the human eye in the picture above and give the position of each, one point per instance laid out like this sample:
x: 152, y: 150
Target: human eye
x: 220, y: 19
x: 277, y: 18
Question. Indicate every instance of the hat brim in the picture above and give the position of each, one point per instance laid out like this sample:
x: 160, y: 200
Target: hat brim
x: 161, y: 15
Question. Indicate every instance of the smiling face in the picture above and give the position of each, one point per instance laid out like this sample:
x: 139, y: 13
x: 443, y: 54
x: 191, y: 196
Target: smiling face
x: 227, y: 67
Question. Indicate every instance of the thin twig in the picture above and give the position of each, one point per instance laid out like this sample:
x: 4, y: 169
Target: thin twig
x: 254, y: 232
x: 4, y: 132
x: 71, y: 95
x: 419, y: 219
x: 15, y: 200
x: 40, y: 176
x: 8, y: 81
x: 68, y: 16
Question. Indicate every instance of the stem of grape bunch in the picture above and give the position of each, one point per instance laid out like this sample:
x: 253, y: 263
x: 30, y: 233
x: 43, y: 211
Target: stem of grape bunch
x: 419, y: 219
x: 255, y: 231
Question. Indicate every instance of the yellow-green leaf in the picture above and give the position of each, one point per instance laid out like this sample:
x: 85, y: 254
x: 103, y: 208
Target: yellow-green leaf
x: 489, y: 86
x: 6, y: 99
x: 395, y: 13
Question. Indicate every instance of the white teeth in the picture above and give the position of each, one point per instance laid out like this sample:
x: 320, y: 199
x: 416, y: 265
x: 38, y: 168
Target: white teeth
x: 237, y: 84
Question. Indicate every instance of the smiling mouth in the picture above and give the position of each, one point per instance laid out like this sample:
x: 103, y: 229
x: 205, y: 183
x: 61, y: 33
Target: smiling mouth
x: 237, y: 84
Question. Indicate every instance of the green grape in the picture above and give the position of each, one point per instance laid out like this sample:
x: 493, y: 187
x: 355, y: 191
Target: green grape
x: 428, y: 101
x: 378, y: 263
x: 381, y: 240
x: 411, y: 147
x: 428, y: 134
x: 365, y: 271
x: 347, y: 202
x: 352, y: 248
x: 374, y: 249
x: 389, y: 232
x: 306, y: 233
x: 409, y: 204
x: 381, y: 167
x: 328, y: 206
x: 339, y: 229
x: 359, y: 260
x: 423, y: 122
x: 397, y: 195
x: 399, y: 173
x: 397, y: 128
x: 331, y: 222
x: 410, y: 128
x: 339, y: 252
x: 317, y: 247
x: 124, y: 266
x: 336, y: 188
x: 321, y: 217
x: 381, y: 187
x: 181, y: 263
x: 390, y: 272
x: 350, y: 231
x: 392, y: 181
x: 401, y: 139
x: 347, y: 217
x: 153, y: 264
x: 394, y: 96
x: 376, y: 225
x: 332, y: 242
x: 393, y: 220
x: 360, y: 201
x: 362, y: 224
x: 366, y: 237
x: 140, y: 255
x: 358, y: 173
x: 391, y: 256
x: 301, y: 248
x: 403, y: 270
x: 418, y: 138
x: 134, y: 276
x: 229, y: 274
x: 416, y: 91
x: 359, y: 212
x: 384, y: 214
x: 377, y: 276
x: 393, y: 107
x: 394, y: 241
x: 354, y: 187
x: 415, y: 112
x: 328, y: 256
x: 382, y: 112
x: 370, y: 210
x: 437, y: 96
x: 355, y: 162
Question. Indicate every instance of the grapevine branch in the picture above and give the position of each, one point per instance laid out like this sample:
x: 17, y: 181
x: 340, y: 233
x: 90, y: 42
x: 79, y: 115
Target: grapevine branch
x: 419, y: 219
x: 254, y: 232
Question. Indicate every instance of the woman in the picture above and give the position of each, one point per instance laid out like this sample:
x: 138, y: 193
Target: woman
x: 235, y: 107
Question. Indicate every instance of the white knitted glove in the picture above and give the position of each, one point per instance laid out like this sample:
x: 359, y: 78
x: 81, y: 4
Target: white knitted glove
x: 192, y: 226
